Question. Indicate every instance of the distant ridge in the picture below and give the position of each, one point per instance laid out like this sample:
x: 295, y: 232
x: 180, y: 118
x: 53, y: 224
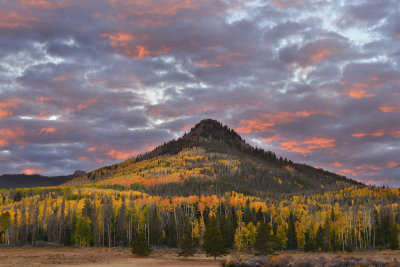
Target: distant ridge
x: 9, y: 181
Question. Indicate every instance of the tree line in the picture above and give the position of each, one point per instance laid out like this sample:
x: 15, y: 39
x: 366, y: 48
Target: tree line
x: 350, y: 219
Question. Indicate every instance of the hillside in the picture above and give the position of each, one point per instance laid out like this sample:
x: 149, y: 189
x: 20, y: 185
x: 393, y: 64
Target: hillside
x: 213, y: 159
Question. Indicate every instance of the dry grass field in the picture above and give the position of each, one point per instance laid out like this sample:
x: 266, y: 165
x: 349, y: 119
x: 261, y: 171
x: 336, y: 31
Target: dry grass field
x: 66, y: 256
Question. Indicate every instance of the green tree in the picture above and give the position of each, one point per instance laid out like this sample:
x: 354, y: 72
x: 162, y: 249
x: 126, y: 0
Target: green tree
x: 333, y: 217
x: 5, y: 220
x: 140, y: 245
x: 320, y: 238
x: 291, y: 233
x: 308, y: 242
x: 228, y: 228
x: 170, y: 232
x: 393, y: 236
x: 328, y: 235
x: 187, y: 245
x: 213, y: 242
x: 120, y: 229
x: 264, y: 240
x: 154, y: 224
x: 83, y: 232
x: 87, y: 208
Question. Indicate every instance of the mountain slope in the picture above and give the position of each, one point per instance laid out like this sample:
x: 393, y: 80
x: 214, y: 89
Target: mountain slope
x: 213, y: 159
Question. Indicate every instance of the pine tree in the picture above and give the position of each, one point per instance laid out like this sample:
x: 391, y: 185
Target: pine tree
x: 170, y: 232
x: 120, y: 229
x: 327, y: 235
x: 264, y: 241
x: 320, y: 238
x: 227, y: 230
x: 154, y: 224
x: 291, y: 233
x: 213, y: 241
x: 87, y: 208
x: 140, y: 246
x: 187, y: 246
x: 308, y: 242
x: 247, y: 214
x: 393, y: 236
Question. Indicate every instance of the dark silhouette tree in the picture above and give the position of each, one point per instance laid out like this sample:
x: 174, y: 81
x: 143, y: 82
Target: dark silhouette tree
x: 140, y: 245
x: 308, y: 242
x: 228, y: 227
x: 213, y: 241
x: 265, y: 242
x: 187, y: 245
x: 320, y: 238
x: 393, y: 236
x: 291, y: 233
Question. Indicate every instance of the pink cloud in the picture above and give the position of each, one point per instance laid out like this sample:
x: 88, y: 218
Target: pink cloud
x: 308, y: 145
x: 32, y: 171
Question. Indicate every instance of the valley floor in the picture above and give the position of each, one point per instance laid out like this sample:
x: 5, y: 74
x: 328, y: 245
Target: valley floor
x: 119, y: 257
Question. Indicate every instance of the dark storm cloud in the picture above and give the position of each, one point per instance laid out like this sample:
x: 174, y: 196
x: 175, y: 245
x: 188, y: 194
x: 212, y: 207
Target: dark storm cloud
x: 83, y: 84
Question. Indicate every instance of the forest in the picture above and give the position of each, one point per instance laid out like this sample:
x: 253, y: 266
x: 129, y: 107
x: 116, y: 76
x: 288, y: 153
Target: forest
x: 354, y: 218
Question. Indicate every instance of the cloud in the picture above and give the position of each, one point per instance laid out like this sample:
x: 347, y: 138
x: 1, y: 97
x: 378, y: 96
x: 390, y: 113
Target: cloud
x: 31, y: 171
x: 389, y: 108
x: 48, y: 130
x: 377, y: 133
x: 316, y: 83
x: 15, y: 20
x: 286, y: 3
x: 7, y: 106
x: 308, y: 146
x: 267, y: 121
x: 11, y: 136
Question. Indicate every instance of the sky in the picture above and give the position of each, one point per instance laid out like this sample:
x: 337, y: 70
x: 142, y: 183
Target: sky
x: 85, y: 84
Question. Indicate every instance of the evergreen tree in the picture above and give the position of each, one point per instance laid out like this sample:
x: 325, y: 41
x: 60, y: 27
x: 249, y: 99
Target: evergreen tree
x: 348, y: 246
x: 120, y: 231
x: 247, y: 213
x: 170, y: 232
x: 87, y: 208
x: 264, y: 241
x: 320, y: 238
x: 154, y: 224
x: 140, y: 245
x: 393, y: 236
x: 187, y: 245
x: 291, y: 233
x: 93, y: 217
x: 328, y: 237
x: 308, y: 242
x: 213, y: 241
x: 228, y: 231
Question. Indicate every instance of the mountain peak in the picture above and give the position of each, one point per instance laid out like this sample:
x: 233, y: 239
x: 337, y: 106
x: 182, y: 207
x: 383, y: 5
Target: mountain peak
x: 209, y: 129
x: 212, y: 150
